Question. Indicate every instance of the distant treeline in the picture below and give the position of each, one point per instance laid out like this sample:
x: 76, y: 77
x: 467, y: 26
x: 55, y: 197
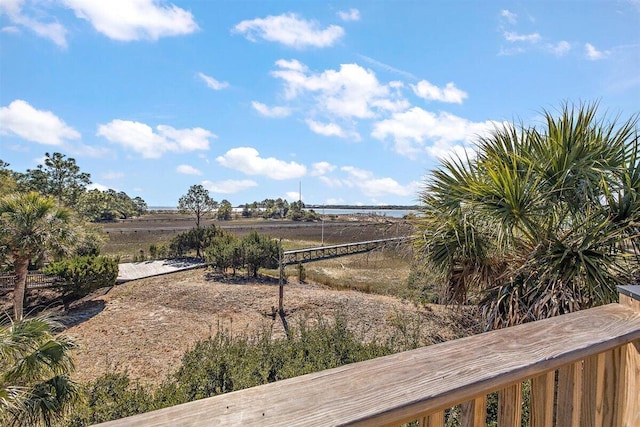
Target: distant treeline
x: 360, y: 207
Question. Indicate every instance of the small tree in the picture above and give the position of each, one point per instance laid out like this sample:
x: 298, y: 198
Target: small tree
x: 224, y: 210
x: 29, y: 225
x: 259, y: 252
x: 198, y: 202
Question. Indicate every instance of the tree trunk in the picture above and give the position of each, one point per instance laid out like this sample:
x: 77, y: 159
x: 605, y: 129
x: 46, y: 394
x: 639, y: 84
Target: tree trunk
x: 21, y: 265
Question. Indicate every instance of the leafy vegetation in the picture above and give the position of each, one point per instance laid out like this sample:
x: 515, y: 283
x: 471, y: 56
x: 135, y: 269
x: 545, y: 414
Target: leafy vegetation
x: 227, y: 362
x: 84, y: 274
x: 30, y: 224
x: 35, y: 364
x: 109, y: 205
x: 540, y: 221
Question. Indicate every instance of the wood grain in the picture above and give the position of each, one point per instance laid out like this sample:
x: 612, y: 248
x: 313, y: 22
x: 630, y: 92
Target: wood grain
x: 510, y: 406
x: 434, y: 420
x: 592, y: 391
x: 569, y: 395
x: 474, y: 412
x: 405, y: 386
x: 542, y: 399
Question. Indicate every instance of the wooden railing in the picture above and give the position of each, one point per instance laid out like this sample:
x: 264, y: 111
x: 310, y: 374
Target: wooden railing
x: 34, y: 280
x: 582, y: 369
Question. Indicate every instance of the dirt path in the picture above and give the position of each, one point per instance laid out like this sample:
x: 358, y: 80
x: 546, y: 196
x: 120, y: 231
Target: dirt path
x: 145, y: 326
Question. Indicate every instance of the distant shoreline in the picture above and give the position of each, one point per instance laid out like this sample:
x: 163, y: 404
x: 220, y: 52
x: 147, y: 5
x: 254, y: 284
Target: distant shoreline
x: 316, y: 207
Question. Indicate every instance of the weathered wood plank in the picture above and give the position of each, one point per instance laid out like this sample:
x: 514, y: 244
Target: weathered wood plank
x: 630, y: 296
x: 474, y: 412
x: 510, y: 406
x: 569, y: 395
x: 629, y: 385
x: 542, y: 400
x: 593, y: 391
x: 401, y: 387
x: 434, y: 420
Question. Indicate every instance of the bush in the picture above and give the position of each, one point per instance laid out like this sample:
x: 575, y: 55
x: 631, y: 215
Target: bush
x: 260, y: 251
x: 193, y: 240
x: 82, y: 275
x: 225, y: 363
x: 225, y: 252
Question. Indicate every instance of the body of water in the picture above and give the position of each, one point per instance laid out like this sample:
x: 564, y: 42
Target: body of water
x: 393, y: 213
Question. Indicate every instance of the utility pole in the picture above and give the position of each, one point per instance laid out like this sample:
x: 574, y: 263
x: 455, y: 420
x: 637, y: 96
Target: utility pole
x: 280, y: 279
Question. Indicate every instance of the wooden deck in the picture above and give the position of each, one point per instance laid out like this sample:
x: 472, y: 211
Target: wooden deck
x: 593, y: 354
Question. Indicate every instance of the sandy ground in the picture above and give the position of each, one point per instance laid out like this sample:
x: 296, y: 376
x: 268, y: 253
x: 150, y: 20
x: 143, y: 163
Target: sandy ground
x: 145, y: 326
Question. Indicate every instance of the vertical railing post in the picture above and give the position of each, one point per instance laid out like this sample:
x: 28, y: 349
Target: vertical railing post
x: 628, y: 410
x: 510, y: 406
x: 593, y: 391
x: 569, y: 395
x: 474, y: 412
x: 542, y: 400
x: 280, y: 279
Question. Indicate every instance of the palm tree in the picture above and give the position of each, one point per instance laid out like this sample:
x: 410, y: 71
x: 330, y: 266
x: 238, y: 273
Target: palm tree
x: 542, y: 221
x: 31, y: 224
x: 35, y: 388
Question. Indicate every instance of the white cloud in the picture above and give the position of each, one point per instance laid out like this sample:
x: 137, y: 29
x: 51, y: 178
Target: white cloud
x: 321, y: 168
x: 515, y: 37
x: 53, y: 31
x: 349, y: 15
x: 96, y: 186
x: 388, y: 67
x: 372, y: 186
x: 142, y: 139
x: 127, y: 20
x: 349, y: 92
x: 290, y: 30
x: 509, y: 16
x: 229, y: 186
x: 450, y: 93
x: 213, y: 83
x: 331, y: 129
x: 594, y: 54
x: 10, y: 29
x: 188, y: 170
x: 21, y: 119
x: 417, y: 130
x: 560, y: 48
x: 248, y: 161
x: 273, y: 112
x: 293, y: 64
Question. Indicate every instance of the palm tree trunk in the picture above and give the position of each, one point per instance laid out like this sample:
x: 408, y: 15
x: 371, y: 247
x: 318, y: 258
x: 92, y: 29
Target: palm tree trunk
x: 21, y: 265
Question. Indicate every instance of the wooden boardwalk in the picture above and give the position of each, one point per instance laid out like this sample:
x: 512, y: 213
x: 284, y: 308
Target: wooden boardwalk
x: 300, y: 256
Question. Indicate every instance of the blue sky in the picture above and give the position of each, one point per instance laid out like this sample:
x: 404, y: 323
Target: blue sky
x: 354, y: 100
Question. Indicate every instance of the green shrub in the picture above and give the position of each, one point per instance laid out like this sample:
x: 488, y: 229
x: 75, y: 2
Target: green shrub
x: 260, y: 251
x: 225, y: 363
x: 82, y: 275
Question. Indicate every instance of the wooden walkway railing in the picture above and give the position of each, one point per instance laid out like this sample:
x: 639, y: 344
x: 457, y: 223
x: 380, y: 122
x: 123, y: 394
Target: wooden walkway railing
x: 34, y: 281
x: 583, y: 369
x: 318, y: 253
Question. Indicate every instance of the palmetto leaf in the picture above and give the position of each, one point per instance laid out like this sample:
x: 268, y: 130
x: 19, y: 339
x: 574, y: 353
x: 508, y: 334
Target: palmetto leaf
x: 543, y: 221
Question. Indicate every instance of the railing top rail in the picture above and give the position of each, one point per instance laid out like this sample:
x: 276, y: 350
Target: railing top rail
x: 400, y: 387
x: 344, y: 245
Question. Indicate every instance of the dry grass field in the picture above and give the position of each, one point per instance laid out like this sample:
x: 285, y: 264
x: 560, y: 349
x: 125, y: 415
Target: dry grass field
x: 145, y: 326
